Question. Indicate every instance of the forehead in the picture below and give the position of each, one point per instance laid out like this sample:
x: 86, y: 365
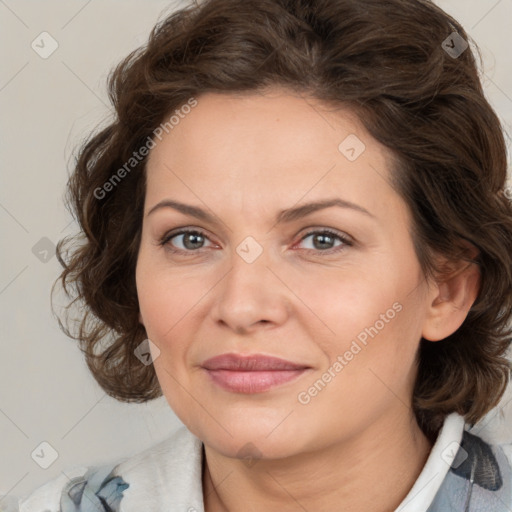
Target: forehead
x: 277, y: 121
x: 268, y: 148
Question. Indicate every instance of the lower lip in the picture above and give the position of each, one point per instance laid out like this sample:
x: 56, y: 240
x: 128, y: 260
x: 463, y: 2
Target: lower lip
x: 252, y: 381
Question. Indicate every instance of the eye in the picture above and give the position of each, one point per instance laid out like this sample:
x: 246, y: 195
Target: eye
x: 325, y: 240
x: 191, y: 240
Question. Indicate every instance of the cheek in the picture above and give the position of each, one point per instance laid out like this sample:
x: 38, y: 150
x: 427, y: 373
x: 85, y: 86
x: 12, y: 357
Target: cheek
x: 164, y: 298
x: 374, y: 320
x: 168, y: 303
x: 379, y: 353
x: 164, y: 313
x: 351, y: 306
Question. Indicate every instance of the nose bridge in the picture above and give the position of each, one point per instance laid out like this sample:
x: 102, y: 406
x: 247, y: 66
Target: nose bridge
x: 250, y: 292
x: 249, y: 268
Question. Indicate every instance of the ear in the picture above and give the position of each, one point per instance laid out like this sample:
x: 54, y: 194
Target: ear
x: 452, y: 296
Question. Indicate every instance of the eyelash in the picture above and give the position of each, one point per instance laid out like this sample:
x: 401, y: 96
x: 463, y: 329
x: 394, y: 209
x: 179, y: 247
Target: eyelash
x: 346, y: 242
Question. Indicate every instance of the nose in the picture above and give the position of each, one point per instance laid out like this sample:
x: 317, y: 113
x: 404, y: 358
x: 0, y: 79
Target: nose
x: 251, y: 296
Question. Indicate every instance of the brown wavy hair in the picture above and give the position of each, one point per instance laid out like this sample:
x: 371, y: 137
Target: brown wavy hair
x: 388, y: 63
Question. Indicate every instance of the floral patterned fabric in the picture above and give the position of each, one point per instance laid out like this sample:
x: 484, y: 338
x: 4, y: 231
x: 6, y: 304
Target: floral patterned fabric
x: 94, y: 492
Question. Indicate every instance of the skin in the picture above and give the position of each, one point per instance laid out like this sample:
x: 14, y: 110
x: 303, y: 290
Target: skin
x: 243, y: 159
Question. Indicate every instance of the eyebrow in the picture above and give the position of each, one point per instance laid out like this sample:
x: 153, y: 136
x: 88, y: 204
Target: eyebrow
x: 284, y: 216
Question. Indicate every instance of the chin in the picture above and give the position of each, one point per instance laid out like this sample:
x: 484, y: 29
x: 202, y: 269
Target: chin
x: 252, y: 439
x: 249, y: 449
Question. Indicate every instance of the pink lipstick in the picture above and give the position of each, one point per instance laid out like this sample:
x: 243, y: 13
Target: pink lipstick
x: 251, y: 374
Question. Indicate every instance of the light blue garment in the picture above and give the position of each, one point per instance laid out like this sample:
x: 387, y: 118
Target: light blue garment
x: 96, y: 491
x: 479, y: 480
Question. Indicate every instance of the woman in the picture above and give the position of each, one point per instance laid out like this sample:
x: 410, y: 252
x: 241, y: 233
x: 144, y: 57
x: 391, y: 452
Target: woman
x: 297, y: 231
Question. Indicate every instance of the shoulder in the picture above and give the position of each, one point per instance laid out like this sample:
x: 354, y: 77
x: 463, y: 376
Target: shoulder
x: 479, y: 478
x: 97, y: 489
x: 128, y: 480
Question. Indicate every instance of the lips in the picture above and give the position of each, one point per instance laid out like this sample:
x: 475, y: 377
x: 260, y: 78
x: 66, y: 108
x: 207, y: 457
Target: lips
x: 251, y: 374
x: 252, y: 363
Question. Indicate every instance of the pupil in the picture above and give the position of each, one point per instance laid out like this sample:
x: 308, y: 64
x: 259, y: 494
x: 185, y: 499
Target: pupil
x: 192, y: 236
x: 323, y: 239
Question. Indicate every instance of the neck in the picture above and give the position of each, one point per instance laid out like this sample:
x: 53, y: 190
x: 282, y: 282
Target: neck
x: 373, y: 470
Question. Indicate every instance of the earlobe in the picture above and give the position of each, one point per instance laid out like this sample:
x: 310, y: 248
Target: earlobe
x: 452, y: 300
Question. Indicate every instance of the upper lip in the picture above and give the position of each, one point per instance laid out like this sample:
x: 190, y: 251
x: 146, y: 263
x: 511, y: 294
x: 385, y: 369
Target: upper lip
x: 253, y: 362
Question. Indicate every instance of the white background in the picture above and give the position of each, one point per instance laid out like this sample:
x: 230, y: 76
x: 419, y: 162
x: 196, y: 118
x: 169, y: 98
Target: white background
x: 47, y: 107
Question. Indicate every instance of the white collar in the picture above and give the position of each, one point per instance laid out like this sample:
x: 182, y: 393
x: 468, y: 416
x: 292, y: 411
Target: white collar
x: 170, y: 473
x: 438, y: 463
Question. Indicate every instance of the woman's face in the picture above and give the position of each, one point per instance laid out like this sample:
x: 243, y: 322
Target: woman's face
x: 261, y: 276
